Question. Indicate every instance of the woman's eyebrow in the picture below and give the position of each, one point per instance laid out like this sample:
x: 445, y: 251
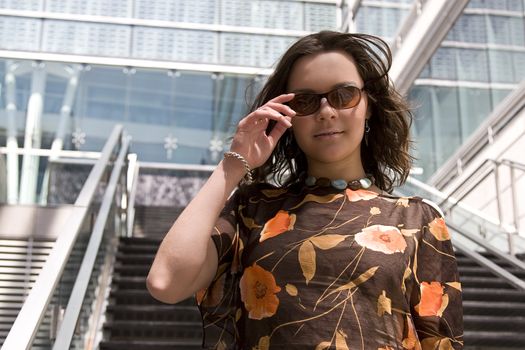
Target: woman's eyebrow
x: 310, y: 91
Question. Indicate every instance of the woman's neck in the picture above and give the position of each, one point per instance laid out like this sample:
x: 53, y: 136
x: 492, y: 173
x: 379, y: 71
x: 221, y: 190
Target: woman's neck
x: 336, y: 171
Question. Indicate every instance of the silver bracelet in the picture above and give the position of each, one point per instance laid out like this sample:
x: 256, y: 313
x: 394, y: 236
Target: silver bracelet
x: 236, y: 155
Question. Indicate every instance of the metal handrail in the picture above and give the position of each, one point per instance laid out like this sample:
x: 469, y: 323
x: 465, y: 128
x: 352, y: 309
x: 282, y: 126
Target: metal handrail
x: 501, y: 116
x: 459, y: 193
x: 74, y: 305
x: 515, y: 281
x: 504, y: 274
x: 25, y: 327
x: 132, y: 182
x: 453, y: 201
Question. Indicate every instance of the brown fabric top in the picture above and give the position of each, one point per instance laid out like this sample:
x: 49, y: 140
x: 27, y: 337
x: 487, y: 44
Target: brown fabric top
x: 320, y: 268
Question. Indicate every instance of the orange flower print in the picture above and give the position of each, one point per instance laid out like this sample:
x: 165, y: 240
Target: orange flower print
x: 212, y: 296
x: 258, y: 289
x: 433, y: 301
x: 439, y: 229
x: 411, y: 341
x: 360, y: 195
x: 403, y: 202
x: 385, y: 239
x: 281, y: 222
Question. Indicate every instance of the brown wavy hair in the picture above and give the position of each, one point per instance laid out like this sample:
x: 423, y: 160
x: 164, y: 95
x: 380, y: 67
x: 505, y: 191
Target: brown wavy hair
x: 386, y: 158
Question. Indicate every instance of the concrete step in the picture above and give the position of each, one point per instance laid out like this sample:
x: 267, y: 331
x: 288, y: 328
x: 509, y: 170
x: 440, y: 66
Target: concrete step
x: 173, y: 313
x: 166, y: 330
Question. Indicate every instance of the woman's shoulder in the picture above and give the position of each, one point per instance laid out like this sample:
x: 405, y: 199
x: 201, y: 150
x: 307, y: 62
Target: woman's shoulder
x: 266, y: 190
x: 415, y: 204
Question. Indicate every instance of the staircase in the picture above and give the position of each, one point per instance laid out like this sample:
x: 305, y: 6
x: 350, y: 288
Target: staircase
x: 494, y: 311
x: 135, y: 320
x: 20, y: 264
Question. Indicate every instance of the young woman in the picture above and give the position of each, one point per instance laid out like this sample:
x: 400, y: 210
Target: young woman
x: 315, y: 253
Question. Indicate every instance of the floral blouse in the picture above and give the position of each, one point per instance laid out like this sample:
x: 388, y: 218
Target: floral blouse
x: 320, y: 268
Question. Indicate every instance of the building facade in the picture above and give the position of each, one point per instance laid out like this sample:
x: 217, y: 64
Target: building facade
x: 180, y: 74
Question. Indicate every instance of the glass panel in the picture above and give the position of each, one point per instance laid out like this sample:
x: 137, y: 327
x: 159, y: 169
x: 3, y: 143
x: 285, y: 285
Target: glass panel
x: 443, y: 64
x: 469, y: 28
x: 475, y: 106
x: 86, y: 38
x: 174, y: 44
x: 54, y: 93
x: 101, y: 94
x: 498, y: 95
x: 266, y: 14
x: 519, y: 66
x: 172, y: 116
x: 445, y: 111
x: 20, y: 33
x: 380, y: 21
x: 319, y: 16
x: 251, y: 49
x: 150, y: 98
x: 511, y: 5
x: 423, y: 129
x: 505, y: 30
x: 189, y: 11
x: 23, y: 91
x: 113, y: 8
x: 472, y: 65
x: 28, y: 5
x: 501, y: 66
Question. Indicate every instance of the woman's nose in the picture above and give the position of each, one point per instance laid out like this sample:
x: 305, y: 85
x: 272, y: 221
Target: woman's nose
x: 326, y: 111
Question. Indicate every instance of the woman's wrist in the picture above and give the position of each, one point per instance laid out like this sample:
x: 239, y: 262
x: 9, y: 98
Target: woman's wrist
x: 248, y: 170
x: 233, y: 169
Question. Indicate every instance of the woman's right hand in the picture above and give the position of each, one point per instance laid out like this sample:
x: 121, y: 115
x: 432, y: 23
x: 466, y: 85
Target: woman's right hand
x: 250, y: 139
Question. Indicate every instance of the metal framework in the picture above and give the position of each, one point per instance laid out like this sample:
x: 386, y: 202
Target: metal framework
x: 425, y: 27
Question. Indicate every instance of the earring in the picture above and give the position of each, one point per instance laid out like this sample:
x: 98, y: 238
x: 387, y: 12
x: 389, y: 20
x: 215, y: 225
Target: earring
x: 367, y: 131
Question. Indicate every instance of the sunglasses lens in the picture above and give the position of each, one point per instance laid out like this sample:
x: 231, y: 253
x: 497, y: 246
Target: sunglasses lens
x: 344, y: 97
x: 304, y: 104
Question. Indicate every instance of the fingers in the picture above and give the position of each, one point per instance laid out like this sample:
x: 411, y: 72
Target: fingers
x: 278, y: 130
x: 265, y: 113
x: 278, y: 103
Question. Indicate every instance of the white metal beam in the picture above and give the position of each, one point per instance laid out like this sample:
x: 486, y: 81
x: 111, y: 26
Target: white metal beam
x: 12, y: 143
x: 33, y: 136
x: 132, y: 62
x: 425, y: 27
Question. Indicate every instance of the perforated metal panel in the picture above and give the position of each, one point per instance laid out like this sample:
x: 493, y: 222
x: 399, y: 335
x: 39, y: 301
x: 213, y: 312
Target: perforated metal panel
x: 511, y: 5
x: 19, y: 33
x: 443, y: 64
x: 28, y: 5
x: 380, y: 21
x: 264, y: 14
x: 201, y: 11
x: 174, y: 44
x: 519, y: 64
x: 86, y: 38
x: 319, y: 17
x: 470, y: 29
x: 506, y: 30
x: 113, y: 8
x: 502, y: 66
x: 252, y: 50
x: 473, y: 65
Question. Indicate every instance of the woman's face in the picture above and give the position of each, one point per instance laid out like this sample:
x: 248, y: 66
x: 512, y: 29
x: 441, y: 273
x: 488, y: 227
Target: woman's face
x: 329, y: 136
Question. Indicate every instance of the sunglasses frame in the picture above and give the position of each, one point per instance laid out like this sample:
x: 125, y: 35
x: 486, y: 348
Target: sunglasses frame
x: 325, y: 95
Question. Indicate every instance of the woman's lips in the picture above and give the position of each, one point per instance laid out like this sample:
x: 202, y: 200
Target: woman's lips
x: 328, y: 134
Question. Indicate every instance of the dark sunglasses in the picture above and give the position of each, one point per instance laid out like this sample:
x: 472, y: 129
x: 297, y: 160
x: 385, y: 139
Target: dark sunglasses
x: 342, y: 97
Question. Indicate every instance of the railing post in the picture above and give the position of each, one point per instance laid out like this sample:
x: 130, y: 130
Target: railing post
x: 498, y: 196
x: 515, y: 211
x: 512, y: 250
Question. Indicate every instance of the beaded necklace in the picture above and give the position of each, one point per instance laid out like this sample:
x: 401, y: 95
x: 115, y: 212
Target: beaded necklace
x: 340, y: 184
